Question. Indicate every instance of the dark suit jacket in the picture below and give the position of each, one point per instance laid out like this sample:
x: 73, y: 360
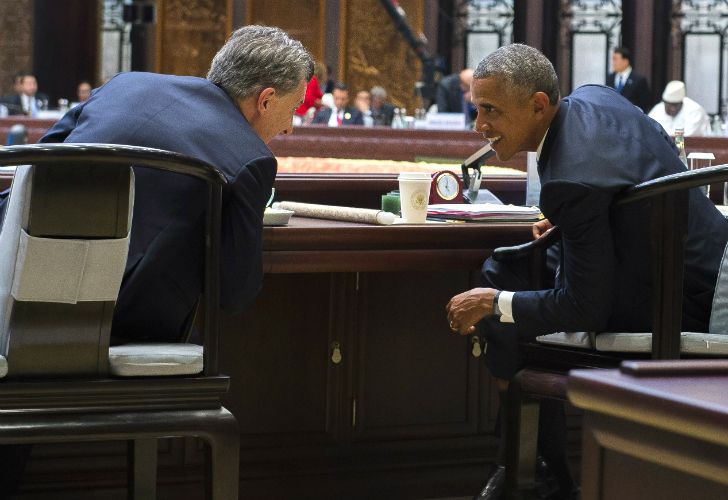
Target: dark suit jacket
x: 383, y: 116
x: 355, y: 116
x: 449, y: 96
x: 163, y: 276
x: 15, y: 104
x: 635, y: 90
x: 596, y: 147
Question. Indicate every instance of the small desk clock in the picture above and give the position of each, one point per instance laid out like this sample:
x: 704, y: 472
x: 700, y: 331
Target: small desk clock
x: 446, y: 188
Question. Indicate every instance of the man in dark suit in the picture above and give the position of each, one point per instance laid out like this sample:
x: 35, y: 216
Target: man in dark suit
x: 628, y: 83
x: 255, y: 82
x: 342, y: 114
x: 584, y: 160
x: 26, y: 100
x: 453, y: 94
x: 382, y: 111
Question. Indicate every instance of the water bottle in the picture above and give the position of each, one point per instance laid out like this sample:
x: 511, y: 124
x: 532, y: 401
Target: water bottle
x: 716, y: 127
x: 397, y: 120
x: 680, y: 145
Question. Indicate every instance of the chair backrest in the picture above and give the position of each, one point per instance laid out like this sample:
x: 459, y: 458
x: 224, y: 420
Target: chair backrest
x: 62, y: 264
x: 63, y: 248
x: 719, y: 310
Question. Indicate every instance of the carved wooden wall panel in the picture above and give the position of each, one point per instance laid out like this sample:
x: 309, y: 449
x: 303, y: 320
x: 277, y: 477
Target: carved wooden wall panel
x: 16, y: 40
x: 304, y: 20
x: 189, y: 33
x: 376, y: 53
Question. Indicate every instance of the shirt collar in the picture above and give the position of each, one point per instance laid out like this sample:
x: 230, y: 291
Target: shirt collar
x: 625, y: 74
x: 540, y: 145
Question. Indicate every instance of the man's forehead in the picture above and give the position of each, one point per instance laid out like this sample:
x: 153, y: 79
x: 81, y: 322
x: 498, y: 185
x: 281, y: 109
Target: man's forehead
x: 488, y: 88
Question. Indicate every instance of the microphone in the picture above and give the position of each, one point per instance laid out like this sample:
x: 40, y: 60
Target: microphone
x: 480, y: 155
x: 472, y: 181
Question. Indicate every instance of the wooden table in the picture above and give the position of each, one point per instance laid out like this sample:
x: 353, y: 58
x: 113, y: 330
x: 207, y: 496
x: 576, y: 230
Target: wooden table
x: 654, y: 429
x: 345, y: 378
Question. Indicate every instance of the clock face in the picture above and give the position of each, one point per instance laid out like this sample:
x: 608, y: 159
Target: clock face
x: 447, y: 186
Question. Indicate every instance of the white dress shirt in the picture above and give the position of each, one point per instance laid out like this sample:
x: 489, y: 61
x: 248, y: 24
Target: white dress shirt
x: 334, y: 118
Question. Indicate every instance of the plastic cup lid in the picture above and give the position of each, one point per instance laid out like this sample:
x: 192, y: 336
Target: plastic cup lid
x: 414, y: 176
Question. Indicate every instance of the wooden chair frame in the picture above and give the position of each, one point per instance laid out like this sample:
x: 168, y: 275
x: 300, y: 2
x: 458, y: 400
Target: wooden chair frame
x: 545, y: 368
x: 140, y: 409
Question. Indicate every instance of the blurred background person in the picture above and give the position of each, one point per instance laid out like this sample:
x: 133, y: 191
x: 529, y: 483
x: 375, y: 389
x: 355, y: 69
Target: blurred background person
x: 312, y: 99
x: 453, y: 95
x: 362, y: 102
x: 26, y: 100
x: 382, y: 111
x: 83, y: 91
x: 624, y: 80
x: 679, y: 111
x: 341, y: 113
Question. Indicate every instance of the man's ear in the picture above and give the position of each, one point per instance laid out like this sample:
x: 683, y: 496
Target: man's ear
x: 264, y: 99
x: 540, y: 102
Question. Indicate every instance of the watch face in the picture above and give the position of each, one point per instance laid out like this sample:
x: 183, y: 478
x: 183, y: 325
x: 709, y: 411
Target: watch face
x: 447, y: 186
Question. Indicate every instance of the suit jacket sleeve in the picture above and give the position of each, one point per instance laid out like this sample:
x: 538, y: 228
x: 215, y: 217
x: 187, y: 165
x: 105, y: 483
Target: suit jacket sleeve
x: 242, y: 229
x: 583, y: 301
x: 322, y: 116
x: 63, y: 127
x: 358, y: 117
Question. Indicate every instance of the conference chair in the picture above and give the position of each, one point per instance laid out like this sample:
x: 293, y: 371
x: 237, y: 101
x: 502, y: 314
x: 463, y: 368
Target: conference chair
x: 547, y: 360
x: 63, y: 249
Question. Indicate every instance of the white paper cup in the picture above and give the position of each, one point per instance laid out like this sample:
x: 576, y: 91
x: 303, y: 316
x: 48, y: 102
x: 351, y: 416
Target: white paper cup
x: 414, y: 193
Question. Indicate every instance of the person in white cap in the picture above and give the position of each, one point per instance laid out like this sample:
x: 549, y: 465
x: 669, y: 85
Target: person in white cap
x: 679, y: 111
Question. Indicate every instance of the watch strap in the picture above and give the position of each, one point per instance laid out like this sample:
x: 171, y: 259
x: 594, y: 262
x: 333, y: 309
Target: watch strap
x: 496, y: 309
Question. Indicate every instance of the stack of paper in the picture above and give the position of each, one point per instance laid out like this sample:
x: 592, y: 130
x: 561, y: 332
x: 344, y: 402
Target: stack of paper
x: 484, y: 212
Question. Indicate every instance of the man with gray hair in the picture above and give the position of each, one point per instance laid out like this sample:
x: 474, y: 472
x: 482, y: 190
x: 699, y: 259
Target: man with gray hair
x: 382, y: 111
x: 591, y: 145
x: 255, y: 83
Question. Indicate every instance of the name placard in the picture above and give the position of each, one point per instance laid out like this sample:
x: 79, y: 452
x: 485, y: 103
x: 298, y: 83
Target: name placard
x: 445, y: 121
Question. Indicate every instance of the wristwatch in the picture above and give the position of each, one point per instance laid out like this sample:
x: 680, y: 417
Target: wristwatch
x: 496, y: 309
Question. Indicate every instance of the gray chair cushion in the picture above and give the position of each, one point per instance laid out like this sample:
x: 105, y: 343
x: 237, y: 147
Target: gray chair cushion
x: 704, y: 344
x: 140, y: 360
x: 582, y: 340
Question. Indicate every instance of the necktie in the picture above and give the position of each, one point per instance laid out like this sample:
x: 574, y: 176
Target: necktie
x: 338, y: 118
x: 620, y: 83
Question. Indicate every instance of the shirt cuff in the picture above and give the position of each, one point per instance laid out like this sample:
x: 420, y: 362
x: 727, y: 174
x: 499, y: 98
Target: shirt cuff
x: 505, y: 304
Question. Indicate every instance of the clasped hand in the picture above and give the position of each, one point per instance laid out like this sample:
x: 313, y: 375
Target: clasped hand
x: 465, y: 309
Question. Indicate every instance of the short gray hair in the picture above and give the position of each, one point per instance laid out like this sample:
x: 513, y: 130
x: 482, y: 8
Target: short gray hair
x: 522, y: 67
x: 257, y: 57
x: 378, y: 92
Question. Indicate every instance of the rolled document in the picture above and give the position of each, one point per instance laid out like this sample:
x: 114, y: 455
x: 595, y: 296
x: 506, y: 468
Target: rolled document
x: 363, y: 215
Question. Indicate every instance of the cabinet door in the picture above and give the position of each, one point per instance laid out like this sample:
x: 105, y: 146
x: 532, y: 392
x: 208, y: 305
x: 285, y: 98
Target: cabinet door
x: 414, y: 378
x: 284, y: 387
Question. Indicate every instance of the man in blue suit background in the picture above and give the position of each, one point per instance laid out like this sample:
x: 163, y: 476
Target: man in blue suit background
x: 591, y: 145
x: 255, y: 82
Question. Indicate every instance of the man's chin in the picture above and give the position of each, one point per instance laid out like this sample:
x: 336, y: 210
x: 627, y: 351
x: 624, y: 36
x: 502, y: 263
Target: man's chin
x: 503, y: 155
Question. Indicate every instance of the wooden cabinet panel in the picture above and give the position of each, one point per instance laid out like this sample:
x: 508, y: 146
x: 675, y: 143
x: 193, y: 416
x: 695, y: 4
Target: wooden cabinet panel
x: 283, y: 385
x: 414, y: 377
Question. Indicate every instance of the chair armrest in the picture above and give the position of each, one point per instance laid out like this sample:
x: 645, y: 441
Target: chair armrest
x: 674, y: 182
x: 526, y: 249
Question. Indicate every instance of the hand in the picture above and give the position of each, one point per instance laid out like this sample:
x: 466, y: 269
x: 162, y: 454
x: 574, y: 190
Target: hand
x: 540, y: 228
x: 466, y: 309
